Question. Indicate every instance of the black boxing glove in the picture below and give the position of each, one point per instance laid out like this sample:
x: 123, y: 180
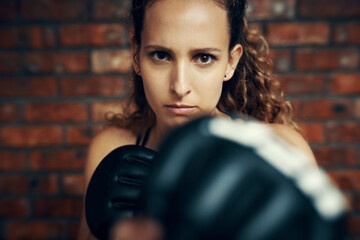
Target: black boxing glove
x: 220, y: 179
x: 114, y: 188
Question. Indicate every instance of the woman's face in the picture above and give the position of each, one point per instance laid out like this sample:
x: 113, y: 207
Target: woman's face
x: 184, y: 57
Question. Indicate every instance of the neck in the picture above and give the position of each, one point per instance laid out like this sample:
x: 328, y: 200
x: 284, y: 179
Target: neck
x: 157, y: 135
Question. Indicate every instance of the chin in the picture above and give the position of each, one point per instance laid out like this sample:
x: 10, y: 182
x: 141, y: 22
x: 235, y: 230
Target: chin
x: 178, y: 121
x: 181, y: 121
x: 172, y: 121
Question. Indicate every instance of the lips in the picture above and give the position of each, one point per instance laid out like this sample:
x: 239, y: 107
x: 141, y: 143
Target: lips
x: 180, y: 109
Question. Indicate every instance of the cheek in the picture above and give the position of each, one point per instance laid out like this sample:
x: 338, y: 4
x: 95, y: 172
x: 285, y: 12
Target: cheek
x: 154, y: 84
x: 211, y: 85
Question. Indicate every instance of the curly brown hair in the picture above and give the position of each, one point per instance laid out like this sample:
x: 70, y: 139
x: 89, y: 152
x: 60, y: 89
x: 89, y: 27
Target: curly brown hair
x: 253, y: 90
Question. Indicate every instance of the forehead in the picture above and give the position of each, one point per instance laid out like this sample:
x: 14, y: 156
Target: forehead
x: 200, y: 22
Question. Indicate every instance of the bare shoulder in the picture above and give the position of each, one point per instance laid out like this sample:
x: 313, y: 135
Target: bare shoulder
x: 294, y: 138
x: 111, y: 138
x: 102, y: 144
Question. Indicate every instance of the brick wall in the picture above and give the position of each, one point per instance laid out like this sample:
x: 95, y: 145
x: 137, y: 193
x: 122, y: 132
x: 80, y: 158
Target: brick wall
x: 64, y: 63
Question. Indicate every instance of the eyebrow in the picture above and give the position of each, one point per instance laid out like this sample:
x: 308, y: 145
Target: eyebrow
x: 193, y: 51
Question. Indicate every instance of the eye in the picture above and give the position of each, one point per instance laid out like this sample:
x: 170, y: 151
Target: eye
x: 205, y: 58
x: 160, y: 56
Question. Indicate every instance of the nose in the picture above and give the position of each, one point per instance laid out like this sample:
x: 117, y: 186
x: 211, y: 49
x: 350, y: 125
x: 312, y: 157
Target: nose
x: 179, y: 80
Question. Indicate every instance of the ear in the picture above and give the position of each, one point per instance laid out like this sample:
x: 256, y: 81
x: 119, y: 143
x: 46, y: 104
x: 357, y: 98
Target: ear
x: 234, y: 58
x: 135, y: 52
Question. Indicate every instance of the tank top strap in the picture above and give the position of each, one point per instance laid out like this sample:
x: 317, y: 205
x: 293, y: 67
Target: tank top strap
x: 140, y: 140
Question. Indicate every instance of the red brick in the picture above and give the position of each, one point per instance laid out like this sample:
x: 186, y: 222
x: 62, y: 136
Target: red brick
x: 301, y: 84
x: 58, y: 207
x: 271, y: 9
x: 14, y: 184
x: 345, y: 83
x: 353, y: 225
x: 281, y: 60
x: 92, y: 86
x: 53, y: 10
x: 111, y: 9
x: 349, y: 198
x: 45, y: 184
x: 296, y: 107
x: 322, y: 109
x: 314, y: 132
x: 74, y: 229
x: 357, y: 108
x: 297, y: 33
x: 28, y: 87
x: 9, y: 62
x: 329, y: 9
x: 56, y: 112
x: 92, y: 35
x: 356, y: 201
x: 9, y: 37
x: 343, y: 132
x: 26, y: 136
x: 346, y: 179
x: 73, y: 159
x: 14, y: 208
x: 256, y: 27
x: 100, y: 109
x: 105, y: 61
x: 12, y: 160
x: 347, y: 33
x: 40, y: 230
x: 41, y: 37
x: 33, y: 37
x: 335, y: 156
x: 73, y: 184
x: 328, y: 59
x: 7, y: 11
x: 8, y: 112
x: 81, y: 136
x: 56, y: 62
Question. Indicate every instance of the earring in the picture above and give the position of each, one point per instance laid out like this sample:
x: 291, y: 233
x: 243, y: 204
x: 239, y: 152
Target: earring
x: 225, y: 75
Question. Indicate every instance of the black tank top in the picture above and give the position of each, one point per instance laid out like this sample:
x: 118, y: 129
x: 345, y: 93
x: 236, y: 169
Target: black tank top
x: 141, y: 141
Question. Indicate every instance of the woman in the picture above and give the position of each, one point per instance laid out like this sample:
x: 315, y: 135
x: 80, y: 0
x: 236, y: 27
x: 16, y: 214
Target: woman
x: 191, y: 59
